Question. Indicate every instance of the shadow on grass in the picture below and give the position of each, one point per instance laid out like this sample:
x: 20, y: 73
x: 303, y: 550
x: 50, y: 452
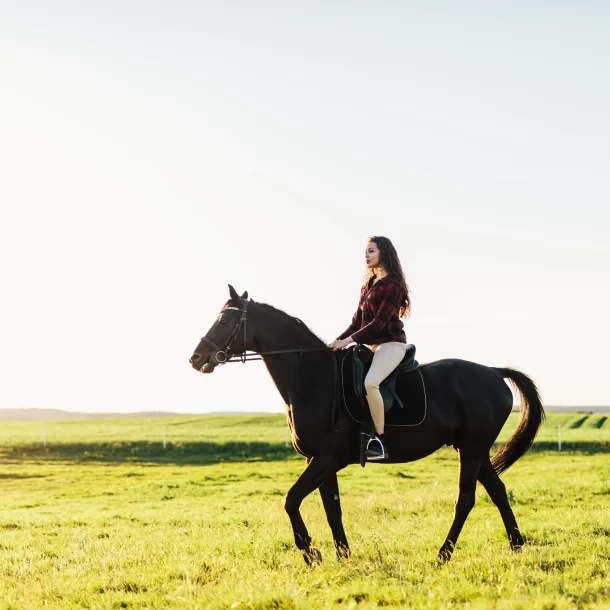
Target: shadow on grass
x: 144, y: 451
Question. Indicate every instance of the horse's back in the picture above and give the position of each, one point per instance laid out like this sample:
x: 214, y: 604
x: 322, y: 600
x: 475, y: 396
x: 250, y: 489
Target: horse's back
x: 468, y: 379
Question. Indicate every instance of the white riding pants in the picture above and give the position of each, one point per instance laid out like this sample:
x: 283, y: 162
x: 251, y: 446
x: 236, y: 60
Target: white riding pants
x: 386, y: 358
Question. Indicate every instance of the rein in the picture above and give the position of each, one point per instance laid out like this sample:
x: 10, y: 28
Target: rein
x: 244, y: 356
x: 249, y: 356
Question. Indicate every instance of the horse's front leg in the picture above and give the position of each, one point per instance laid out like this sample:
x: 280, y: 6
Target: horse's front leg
x: 329, y: 490
x: 317, y: 471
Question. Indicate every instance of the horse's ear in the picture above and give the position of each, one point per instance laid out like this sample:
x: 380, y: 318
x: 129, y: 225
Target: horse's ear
x: 244, y: 296
x: 233, y: 293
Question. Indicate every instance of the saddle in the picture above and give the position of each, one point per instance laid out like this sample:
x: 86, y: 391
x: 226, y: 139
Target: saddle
x: 410, y: 385
x: 362, y: 358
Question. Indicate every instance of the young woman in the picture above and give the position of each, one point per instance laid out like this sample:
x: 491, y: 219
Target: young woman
x: 384, y: 300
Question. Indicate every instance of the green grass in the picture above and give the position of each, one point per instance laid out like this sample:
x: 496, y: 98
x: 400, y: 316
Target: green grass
x: 204, y: 439
x: 105, y: 518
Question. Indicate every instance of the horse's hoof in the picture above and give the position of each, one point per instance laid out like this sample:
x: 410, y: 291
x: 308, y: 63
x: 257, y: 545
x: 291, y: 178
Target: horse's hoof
x: 313, y: 556
x: 316, y: 556
x: 343, y: 552
x: 516, y: 546
x: 516, y: 542
x: 444, y: 555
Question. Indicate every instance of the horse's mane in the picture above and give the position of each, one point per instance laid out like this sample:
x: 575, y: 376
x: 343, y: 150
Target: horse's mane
x: 297, y: 321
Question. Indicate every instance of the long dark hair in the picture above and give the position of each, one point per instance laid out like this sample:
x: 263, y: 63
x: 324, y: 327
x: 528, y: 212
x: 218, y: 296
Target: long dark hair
x: 391, y: 263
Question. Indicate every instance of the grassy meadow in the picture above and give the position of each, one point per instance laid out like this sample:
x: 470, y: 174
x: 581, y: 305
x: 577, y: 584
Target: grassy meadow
x: 105, y: 517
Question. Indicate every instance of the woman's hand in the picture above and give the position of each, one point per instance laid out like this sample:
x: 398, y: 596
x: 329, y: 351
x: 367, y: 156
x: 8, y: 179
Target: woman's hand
x: 338, y: 344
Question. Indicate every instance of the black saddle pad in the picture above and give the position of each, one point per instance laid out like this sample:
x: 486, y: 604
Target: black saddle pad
x: 410, y: 388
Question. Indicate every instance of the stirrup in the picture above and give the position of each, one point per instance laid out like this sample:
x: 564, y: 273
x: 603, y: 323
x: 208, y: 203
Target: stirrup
x: 377, y: 451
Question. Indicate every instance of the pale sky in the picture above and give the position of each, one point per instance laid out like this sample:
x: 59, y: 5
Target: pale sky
x: 153, y: 152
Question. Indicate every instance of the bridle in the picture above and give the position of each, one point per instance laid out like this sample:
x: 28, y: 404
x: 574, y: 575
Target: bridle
x: 244, y: 356
x: 223, y: 355
x: 225, y: 352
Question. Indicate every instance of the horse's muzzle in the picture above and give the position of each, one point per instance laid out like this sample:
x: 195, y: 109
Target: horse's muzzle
x: 199, y: 364
x: 208, y: 367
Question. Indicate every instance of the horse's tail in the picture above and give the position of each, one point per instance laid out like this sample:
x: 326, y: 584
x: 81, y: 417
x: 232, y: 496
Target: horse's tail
x: 530, y: 420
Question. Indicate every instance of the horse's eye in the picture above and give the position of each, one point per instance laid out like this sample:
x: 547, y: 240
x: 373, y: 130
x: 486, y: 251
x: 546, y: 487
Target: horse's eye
x: 223, y: 322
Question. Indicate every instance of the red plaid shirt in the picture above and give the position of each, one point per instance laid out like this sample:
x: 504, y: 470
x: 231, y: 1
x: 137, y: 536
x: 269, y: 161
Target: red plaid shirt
x: 376, y: 319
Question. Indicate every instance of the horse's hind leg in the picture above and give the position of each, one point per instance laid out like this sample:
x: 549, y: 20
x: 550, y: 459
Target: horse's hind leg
x: 469, y: 471
x: 329, y: 490
x: 497, y: 492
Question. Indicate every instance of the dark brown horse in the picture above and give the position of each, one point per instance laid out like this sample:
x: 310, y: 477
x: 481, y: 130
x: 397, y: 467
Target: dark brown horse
x: 467, y: 405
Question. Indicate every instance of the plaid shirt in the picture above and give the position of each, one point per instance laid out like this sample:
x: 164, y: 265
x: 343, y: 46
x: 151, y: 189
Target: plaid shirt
x: 376, y: 320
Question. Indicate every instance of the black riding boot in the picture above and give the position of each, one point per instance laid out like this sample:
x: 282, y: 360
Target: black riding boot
x: 375, y: 448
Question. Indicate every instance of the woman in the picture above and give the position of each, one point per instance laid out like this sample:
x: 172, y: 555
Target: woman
x: 384, y: 300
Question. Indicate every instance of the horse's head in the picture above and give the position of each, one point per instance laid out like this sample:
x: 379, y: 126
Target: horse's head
x: 226, y: 337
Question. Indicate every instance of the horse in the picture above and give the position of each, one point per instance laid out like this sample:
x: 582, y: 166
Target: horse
x: 467, y: 406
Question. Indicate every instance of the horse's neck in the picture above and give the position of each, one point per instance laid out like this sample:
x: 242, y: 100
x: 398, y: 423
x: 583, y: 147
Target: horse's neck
x: 277, y: 330
x: 293, y: 374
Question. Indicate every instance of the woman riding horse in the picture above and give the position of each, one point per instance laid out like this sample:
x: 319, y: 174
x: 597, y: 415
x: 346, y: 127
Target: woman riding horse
x: 384, y: 300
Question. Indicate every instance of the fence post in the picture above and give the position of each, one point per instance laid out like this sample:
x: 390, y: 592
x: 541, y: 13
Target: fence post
x: 559, y: 437
x: 164, y: 437
x: 44, y: 435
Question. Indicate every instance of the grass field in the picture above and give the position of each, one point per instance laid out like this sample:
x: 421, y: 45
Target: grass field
x: 104, y: 517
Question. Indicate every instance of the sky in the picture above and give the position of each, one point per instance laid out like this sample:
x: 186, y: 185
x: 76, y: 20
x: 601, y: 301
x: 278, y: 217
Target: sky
x: 152, y: 153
